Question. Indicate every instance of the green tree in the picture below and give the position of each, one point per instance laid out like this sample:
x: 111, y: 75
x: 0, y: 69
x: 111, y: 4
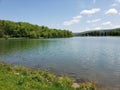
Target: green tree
x: 1, y: 33
x: 24, y: 29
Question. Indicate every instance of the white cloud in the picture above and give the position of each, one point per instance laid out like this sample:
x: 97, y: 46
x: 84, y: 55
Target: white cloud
x: 73, y: 21
x: 118, y: 1
x: 114, y: 5
x: 77, y: 17
x: 112, y: 11
x: 116, y: 26
x: 93, y: 21
x: 87, y: 29
x: 107, y: 23
x: 91, y: 11
x: 98, y: 28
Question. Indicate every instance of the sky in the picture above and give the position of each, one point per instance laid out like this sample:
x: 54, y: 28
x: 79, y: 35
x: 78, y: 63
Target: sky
x: 73, y: 15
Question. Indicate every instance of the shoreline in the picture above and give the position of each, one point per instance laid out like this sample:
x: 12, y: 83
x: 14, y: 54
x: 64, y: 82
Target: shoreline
x: 14, y: 70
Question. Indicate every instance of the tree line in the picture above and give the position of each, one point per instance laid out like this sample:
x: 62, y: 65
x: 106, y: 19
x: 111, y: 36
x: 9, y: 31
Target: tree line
x: 112, y: 32
x: 24, y: 29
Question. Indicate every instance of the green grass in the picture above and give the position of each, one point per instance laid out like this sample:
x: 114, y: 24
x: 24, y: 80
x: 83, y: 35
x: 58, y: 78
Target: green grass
x: 22, y: 78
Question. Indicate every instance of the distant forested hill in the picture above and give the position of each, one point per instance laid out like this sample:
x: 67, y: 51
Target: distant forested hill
x: 24, y: 29
x: 111, y: 32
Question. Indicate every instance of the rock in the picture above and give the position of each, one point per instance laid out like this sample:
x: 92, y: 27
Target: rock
x: 75, y: 85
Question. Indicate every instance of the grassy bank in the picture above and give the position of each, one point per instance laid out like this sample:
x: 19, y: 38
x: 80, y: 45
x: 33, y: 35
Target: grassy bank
x: 22, y: 78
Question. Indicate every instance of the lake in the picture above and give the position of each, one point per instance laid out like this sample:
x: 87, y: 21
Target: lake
x: 84, y: 58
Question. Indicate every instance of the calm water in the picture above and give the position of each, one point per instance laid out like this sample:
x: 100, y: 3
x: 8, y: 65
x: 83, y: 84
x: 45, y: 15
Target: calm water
x: 89, y: 58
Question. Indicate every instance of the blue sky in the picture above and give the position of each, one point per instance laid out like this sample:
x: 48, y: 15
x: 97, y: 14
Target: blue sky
x: 74, y: 15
